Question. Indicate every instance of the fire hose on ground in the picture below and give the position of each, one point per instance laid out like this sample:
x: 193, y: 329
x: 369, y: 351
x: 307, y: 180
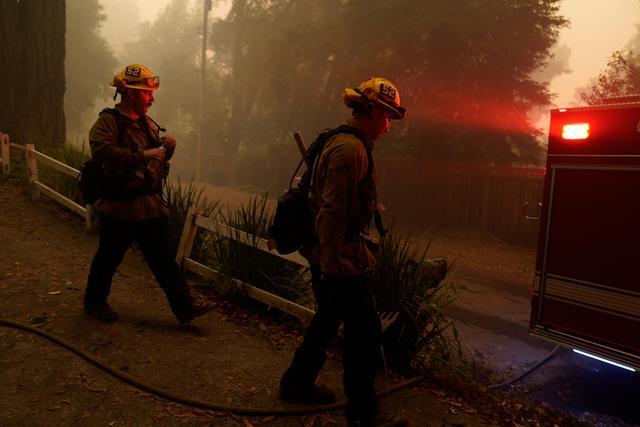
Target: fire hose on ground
x: 300, y: 410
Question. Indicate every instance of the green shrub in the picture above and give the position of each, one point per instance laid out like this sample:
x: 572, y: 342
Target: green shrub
x: 414, y: 286
x: 18, y: 169
x: 179, y: 198
x: 232, y: 249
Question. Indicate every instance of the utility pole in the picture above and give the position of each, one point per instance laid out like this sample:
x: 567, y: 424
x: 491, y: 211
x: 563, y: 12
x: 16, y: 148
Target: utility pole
x: 203, y: 66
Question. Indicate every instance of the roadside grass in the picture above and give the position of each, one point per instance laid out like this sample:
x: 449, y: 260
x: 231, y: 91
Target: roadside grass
x: 18, y: 170
x: 180, y: 197
x: 415, y: 286
x: 232, y: 249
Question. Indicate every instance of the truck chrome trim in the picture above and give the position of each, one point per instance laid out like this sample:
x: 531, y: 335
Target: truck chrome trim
x: 586, y: 345
x: 602, y: 359
x: 618, y: 106
x: 597, y: 167
x: 543, y: 272
x: 632, y: 156
x: 595, y: 285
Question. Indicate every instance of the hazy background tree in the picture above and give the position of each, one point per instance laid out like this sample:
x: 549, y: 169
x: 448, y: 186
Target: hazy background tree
x: 557, y: 65
x: 621, y: 77
x: 88, y: 65
x: 123, y: 24
x: 465, y: 70
x: 470, y: 73
x: 32, y: 79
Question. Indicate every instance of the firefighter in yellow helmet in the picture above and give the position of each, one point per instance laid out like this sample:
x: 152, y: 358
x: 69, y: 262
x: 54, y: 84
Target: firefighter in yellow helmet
x: 343, y: 198
x: 376, y: 91
x: 126, y: 144
x: 135, y: 76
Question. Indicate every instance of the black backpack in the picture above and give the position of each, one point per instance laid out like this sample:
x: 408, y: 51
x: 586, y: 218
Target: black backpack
x: 89, y: 181
x: 93, y: 181
x: 293, y: 222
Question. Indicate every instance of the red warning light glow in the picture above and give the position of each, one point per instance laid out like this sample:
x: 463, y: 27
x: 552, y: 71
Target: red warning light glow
x: 575, y: 131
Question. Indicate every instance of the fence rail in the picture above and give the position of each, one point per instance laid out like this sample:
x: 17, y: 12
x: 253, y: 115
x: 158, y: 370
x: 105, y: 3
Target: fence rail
x: 56, y: 164
x: 194, y: 220
x: 32, y: 157
x: 234, y: 233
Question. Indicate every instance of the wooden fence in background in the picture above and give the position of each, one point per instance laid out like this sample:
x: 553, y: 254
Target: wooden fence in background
x: 420, y: 193
x: 489, y: 198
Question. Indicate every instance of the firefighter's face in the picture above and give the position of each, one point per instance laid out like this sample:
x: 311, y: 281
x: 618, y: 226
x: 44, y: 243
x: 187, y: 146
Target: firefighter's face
x: 141, y: 100
x: 380, y: 123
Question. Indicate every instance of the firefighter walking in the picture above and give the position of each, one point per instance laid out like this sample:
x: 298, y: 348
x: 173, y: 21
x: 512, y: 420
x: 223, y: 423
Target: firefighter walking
x: 343, y: 197
x: 125, y: 142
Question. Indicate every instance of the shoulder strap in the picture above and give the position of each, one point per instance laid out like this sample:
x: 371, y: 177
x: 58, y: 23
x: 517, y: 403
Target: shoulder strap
x: 122, y: 122
x: 318, y: 145
x: 377, y: 216
x: 355, y: 132
x: 314, y: 155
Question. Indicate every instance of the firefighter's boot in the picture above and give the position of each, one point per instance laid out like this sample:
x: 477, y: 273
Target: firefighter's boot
x: 102, y: 311
x: 198, y: 308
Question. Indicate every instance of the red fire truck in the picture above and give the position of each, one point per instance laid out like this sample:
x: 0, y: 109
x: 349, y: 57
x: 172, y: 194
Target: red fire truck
x: 586, y: 293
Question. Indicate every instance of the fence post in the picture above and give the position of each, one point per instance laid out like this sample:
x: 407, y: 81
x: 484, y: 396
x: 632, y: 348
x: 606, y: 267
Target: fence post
x: 188, y: 235
x: 32, y: 166
x: 4, y: 153
x: 90, y: 219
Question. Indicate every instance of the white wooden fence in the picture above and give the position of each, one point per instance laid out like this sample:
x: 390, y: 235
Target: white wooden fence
x: 32, y: 157
x: 5, y: 146
x: 191, y: 224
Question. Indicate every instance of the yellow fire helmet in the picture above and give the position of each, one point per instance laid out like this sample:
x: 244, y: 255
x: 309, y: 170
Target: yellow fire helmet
x: 376, y: 91
x: 135, y: 76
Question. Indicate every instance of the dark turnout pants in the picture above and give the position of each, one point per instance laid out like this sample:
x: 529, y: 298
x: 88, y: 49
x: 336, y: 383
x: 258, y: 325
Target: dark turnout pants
x: 153, y: 238
x: 349, y: 300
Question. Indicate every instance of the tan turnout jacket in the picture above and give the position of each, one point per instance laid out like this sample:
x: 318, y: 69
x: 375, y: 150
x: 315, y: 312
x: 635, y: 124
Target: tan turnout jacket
x: 345, y: 201
x: 143, y: 178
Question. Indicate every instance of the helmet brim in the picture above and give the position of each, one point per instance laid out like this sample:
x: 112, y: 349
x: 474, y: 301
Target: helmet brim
x: 138, y: 87
x: 352, y: 98
x: 152, y: 83
x: 397, y: 113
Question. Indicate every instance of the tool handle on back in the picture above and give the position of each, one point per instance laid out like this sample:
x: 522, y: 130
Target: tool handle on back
x: 303, y: 149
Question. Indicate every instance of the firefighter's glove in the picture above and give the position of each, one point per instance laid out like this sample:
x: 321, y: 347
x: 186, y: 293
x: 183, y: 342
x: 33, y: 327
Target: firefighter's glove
x: 155, y: 154
x: 169, y: 143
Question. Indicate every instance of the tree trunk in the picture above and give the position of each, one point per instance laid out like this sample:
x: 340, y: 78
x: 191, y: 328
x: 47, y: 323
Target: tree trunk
x: 32, y: 51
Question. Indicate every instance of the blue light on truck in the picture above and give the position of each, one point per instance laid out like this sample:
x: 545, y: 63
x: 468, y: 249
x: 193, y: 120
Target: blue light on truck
x: 575, y: 131
x: 604, y: 360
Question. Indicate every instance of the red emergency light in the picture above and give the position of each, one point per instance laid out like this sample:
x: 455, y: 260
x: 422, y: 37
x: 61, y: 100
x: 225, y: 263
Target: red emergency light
x: 575, y: 131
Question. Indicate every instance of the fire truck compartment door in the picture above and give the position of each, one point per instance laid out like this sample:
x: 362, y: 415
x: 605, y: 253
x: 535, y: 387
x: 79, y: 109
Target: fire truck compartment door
x: 590, y: 279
